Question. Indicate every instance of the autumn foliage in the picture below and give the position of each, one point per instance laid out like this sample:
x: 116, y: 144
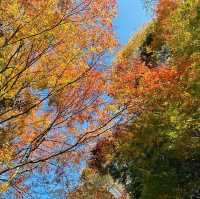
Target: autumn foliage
x: 51, y: 83
x: 155, y: 151
x: 130, y: 131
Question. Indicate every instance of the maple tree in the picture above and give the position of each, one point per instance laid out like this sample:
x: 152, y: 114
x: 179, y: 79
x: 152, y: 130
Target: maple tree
x: 155, y: 152
x: 51, y: 83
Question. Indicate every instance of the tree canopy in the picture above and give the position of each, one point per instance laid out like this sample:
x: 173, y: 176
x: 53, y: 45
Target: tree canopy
x: 130, y: 130
x: 156, y: 153
x: 51, y: 84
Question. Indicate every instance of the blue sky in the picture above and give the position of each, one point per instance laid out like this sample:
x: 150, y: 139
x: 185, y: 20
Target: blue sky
x: 131, y: 16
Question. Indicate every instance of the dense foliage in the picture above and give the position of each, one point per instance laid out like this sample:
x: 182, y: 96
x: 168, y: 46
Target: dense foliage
x: 156, y: 154
x: 136, y: 124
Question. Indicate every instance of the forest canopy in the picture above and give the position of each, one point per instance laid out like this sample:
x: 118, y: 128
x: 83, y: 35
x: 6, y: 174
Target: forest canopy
x: 73, y: 125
